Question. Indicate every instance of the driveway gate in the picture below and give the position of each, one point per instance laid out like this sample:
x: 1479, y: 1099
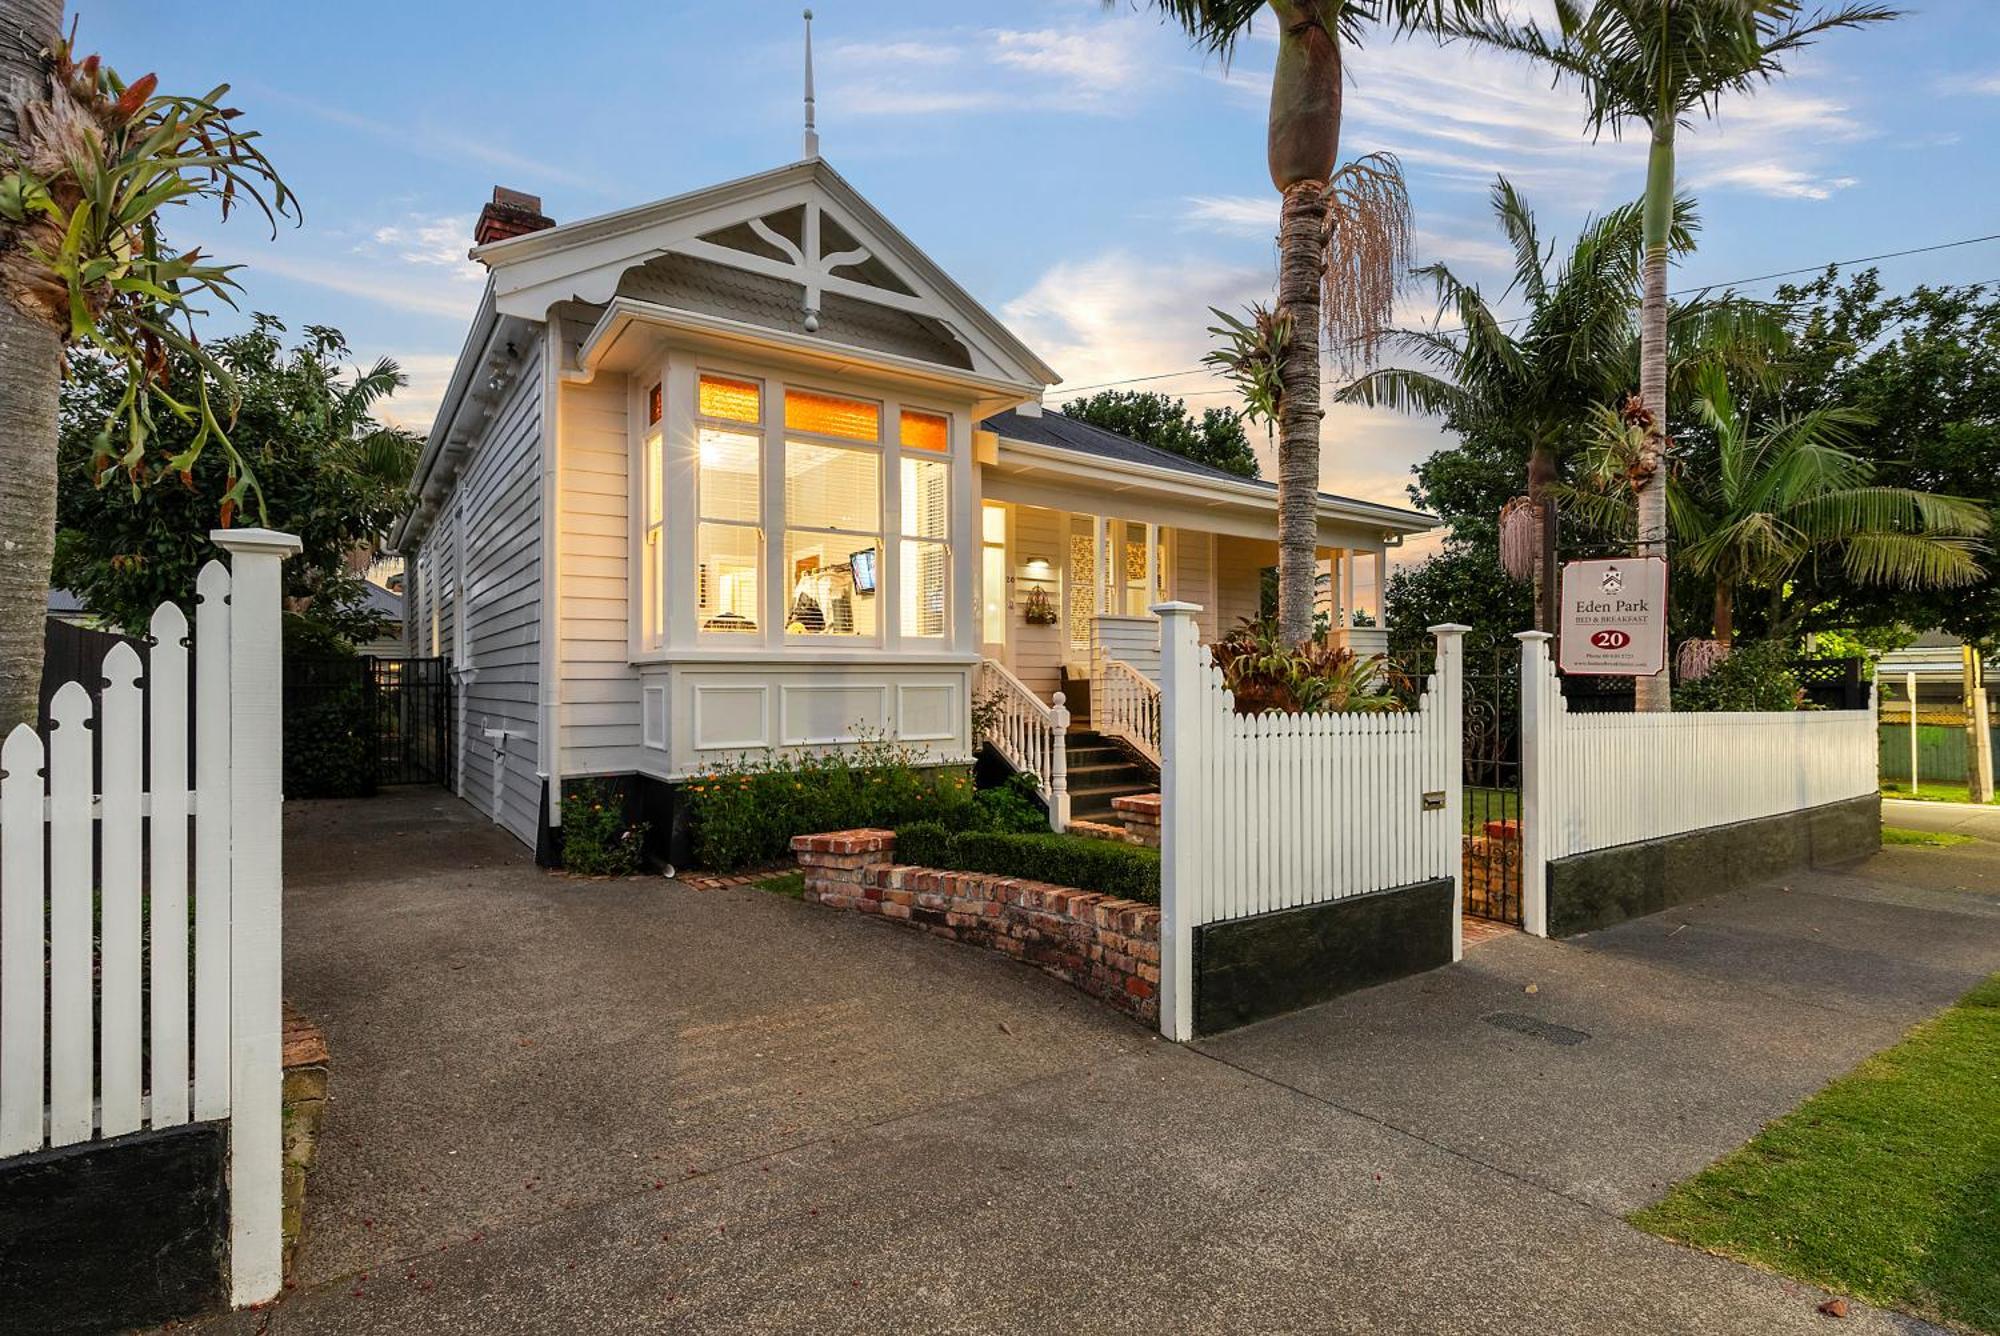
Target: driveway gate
x: 1492, y: 787
x: 412, y: 720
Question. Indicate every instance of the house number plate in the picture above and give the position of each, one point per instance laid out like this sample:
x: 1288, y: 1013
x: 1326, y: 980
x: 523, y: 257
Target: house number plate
x: 1434, y: 801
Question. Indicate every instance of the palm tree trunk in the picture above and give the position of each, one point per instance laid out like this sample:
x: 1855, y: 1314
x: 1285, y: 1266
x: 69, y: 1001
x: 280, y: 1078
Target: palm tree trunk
x: 1654, y: 693
x: 30, y: 390
x: 1725, y: 614
x: 1542, y: 472
x: 1302, y: 257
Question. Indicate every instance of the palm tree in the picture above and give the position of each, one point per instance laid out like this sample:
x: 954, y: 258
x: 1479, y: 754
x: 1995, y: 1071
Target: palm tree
x: 88, y: 165
x: 1366, y: 223
x: 1533, y: 381
x: 1656, y: 63
x: 1785, y: 493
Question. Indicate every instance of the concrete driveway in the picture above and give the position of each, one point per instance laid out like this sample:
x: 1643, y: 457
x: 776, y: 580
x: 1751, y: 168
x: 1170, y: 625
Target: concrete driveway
x: 573, y: 1106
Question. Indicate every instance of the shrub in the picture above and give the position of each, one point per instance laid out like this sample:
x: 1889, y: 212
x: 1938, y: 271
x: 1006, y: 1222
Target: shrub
x: 1129, y: 871
x: 329, y: 714
x: 1265, y: 673
x: 1753, y: 677
x: 1012, y: 805
x: 747, y: 814
x: 596, y: 840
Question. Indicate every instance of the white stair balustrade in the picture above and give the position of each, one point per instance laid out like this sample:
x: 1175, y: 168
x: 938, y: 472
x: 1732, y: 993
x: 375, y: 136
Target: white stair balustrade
x: 1029, y: 735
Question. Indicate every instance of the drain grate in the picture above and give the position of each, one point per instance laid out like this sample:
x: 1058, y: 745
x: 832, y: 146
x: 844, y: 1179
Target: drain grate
x: 1536, y: 1028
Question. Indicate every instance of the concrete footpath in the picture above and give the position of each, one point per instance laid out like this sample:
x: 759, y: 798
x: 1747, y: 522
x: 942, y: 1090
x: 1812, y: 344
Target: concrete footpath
x: 575, y: 1106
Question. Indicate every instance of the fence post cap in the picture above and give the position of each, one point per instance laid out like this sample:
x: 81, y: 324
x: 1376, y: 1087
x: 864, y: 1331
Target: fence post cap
x: 1448, y: 629
x: 1163, y: 609
x: 257, y: 541
x: 1532, y: 635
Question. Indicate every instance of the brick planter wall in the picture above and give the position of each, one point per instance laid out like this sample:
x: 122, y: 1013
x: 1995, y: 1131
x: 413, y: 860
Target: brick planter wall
x: 1492, y: 869
x: 1141, y: 815
x: 1105, y: 946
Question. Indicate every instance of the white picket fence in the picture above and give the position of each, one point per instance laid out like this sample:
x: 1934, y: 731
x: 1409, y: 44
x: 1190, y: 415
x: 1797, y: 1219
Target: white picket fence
x: 1595, y: 781
x: 1273, y: 811
x: 138, y: 1031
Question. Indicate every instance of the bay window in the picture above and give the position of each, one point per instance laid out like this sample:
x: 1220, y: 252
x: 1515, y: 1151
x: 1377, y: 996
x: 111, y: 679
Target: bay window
x: 816, y: 516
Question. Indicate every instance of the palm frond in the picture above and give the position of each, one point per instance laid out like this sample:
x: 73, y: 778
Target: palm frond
x: 1910, y: 561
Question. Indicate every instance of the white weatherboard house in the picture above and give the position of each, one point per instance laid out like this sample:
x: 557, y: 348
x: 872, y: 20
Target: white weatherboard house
x: 744, y: 469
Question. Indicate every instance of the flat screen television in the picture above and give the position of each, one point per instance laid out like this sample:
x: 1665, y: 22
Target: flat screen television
x: 863, y: 564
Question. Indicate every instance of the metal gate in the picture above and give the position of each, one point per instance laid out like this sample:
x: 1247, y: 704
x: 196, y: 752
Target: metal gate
x: 1492, y: 788
x: 412, y: 704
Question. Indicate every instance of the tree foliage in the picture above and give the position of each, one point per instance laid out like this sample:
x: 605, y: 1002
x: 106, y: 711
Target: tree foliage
x: 331, y: 473
x: 1924, y: 366
x: 1216, y: 438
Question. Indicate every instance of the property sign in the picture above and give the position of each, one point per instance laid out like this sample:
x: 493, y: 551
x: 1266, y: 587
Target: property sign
x: 1614, y: 617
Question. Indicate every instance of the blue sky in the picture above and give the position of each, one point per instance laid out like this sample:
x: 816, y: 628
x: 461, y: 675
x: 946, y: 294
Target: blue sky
x: 1084, y: 173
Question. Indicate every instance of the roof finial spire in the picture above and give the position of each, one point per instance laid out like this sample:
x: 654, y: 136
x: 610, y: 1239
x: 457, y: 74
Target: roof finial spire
x: 812, y: 133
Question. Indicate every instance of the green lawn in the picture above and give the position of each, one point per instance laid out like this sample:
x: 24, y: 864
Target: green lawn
x: 1884, y: 1186
x: 1928, y: 792
x: 1927, y: 839
x: 791, y: 885
x: 1483, y: 805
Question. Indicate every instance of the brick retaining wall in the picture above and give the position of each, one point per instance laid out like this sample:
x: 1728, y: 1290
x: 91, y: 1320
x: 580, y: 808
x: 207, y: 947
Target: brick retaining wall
x: 1105, y: 946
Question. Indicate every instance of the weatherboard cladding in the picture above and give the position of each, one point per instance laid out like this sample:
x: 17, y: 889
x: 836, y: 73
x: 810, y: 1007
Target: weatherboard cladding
x: 709, y: 288
x: 598, y: 725
x: 499, y: 558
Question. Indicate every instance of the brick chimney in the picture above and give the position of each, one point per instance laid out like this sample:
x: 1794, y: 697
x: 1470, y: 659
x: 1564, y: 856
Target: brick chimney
x: 511, y: 214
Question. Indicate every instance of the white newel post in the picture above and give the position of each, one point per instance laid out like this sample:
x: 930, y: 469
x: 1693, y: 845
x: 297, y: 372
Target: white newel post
x: 1537, y: 757
x: 1182, y: 698
x: 1450, y: 676
x: 1059, y: 765
x: 256, y: 770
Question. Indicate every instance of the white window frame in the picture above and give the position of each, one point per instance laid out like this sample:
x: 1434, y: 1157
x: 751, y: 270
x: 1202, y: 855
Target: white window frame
x: 760, y: 526
x: 952, y: 483
x: 879, y: 537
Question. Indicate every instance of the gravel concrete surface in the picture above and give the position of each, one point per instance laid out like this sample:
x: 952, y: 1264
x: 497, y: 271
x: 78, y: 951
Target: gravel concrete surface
x: 564, y: 1105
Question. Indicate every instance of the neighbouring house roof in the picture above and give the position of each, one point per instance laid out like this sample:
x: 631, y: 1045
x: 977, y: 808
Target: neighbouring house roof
x: 1068, y: 434
x: 383, y: 602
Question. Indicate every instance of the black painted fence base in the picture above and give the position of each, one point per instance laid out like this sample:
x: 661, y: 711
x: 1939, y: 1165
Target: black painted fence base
x: 108, y: 1235
x: 1607, y: 886
x: 1251, y: 969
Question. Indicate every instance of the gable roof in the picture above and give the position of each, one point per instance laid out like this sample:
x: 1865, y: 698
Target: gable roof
x: 752, y: 225
x: 1082, y: 438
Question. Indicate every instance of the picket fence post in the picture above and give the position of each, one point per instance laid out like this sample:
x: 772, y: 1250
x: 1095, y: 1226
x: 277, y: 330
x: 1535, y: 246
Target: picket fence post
x: 256, y: 772
x: 1183, y: 765
x: 1450, y: 686
x: 1537, y: 760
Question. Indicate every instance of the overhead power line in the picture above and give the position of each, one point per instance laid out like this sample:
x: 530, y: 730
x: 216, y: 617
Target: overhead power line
x: 1677, y: 292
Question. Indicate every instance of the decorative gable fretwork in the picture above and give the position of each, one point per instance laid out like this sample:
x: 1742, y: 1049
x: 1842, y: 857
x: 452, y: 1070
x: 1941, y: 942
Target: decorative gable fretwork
x: 795, y: 251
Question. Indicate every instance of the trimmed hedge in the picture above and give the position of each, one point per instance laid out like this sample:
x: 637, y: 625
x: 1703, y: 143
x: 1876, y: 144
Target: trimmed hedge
x: 1129, y: 871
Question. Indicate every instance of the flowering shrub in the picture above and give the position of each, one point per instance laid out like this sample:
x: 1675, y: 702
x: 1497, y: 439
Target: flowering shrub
x: 747, y: 814
x: 1265, y: 673
x: 596, y: 840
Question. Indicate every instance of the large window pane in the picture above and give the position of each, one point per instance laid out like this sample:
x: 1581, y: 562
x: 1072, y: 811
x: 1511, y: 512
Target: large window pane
x: 736, y: 400
x: 827, y: 487
x: 926, y: 498
x: 925, y: 580
x: 833, y: 586
x: 727, y: 585
x: 830, y: 415
x: 728, y: 485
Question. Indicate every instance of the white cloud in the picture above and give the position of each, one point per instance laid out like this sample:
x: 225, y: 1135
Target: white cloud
x: 1086, y: 68
x: 1118, y: 315
x: 1772, y: 178
x: 1246, y: 215
x: 1979, y: 85
x: 417, y: 403
x: 436, y: 241
x: 372, y: 284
